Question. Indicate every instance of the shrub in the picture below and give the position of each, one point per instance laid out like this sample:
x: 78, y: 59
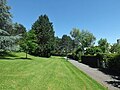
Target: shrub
x: 90, y: 60
x: 93, y: 50
x: 76, y: 55
x: 104, y: 57
x: 72, y: 56
x: 114, y: 63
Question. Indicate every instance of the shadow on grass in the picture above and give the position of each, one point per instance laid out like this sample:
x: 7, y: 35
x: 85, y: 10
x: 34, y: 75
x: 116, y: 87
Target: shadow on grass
x: 4, y: 58
x: 23, y: 58
x: 6, y: 54
x: 17, y: 58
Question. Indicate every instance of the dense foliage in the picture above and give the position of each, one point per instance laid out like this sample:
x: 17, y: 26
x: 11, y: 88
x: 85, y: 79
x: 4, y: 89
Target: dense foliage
x: 18, y: 29
x: 104, y: 45
x: 83, y: 39
x: 5, y: 16
x: 112, y: 61
x: 28, y: 43
x: 82, y: 43
x: 63, y: 46
x: 115, y: 48
x: 44, y: 32
x: 93, y: 50
x: 7, y: 41
x: 57, y: 47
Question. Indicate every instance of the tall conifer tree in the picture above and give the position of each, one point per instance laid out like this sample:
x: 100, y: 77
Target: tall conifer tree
x: 5, y: 16
x: 45, y: 35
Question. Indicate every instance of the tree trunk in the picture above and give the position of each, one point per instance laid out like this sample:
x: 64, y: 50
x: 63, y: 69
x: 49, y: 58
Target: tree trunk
x: 26, y: 51
x: 26, y: 54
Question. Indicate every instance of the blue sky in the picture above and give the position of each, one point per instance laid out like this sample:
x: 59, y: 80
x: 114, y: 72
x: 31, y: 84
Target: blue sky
x: 100, y: 17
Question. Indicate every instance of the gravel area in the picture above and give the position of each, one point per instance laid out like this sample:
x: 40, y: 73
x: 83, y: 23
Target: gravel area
x: 96, y: 74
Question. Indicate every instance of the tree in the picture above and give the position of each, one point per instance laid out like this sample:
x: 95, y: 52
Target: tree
x: 45, y: 35
x: 29, y: 44
x: 93, y: 50
x: 87, y: 38
x: 66, y: 44
x: 8, y: 42
x: 75, y: 33
x: 104, y: 45
x: 57, y: 46
x: 84, y: 38
x: 5, y: 16
x: 115, y: 48
x: 18, y: 29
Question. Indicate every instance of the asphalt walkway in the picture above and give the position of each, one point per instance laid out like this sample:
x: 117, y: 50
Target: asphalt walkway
x: 96, y: 74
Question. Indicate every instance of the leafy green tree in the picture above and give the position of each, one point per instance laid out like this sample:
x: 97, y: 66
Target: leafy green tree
x: 75, y: 34
x: 63, y: 46
x: 57, y: 46
x: 93, y: 50
x: 84, y: 38
x: 87, y: 39
x: 66, y: 44
x: 45, y: 35
x: 104, y: 45
x: 29, y: 44
x: 115, y: 48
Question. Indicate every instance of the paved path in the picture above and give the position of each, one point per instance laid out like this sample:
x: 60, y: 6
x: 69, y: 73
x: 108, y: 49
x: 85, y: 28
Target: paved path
x: 95, y: 74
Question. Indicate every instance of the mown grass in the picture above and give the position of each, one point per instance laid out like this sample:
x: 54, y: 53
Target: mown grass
x: 37, y: 73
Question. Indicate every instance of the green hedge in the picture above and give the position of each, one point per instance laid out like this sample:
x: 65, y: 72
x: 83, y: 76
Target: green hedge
x: 90, y: 60
x: 101, y: 60
x: 112, y: 61
x: 74, y: 56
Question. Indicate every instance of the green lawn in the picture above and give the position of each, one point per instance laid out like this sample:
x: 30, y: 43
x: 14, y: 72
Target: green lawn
x: 37, y: 73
